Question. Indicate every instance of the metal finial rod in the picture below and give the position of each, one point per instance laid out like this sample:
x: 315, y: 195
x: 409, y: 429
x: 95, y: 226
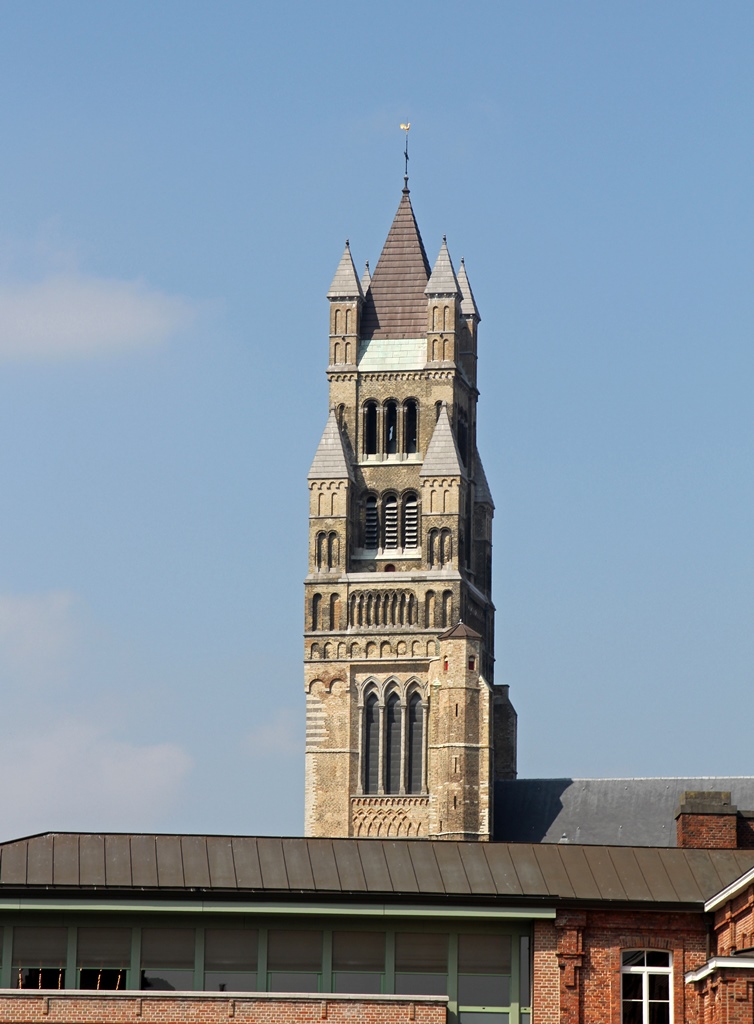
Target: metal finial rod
x: 406, y: 127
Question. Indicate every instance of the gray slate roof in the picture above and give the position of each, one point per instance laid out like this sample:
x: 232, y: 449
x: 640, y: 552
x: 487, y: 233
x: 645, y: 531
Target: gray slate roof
x: 371, y: 868
x: 442, y: 458
x: 624, y: 812
x: 443, y: 279
x: 366, y: 278
x: 395, y: 305
x: 345, y: 284
x: 482, y: 494
x: 331, y: 461
x: 468, y: 303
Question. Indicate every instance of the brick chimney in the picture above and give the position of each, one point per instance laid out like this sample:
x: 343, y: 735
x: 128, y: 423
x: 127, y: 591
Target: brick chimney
x: 706, y: 820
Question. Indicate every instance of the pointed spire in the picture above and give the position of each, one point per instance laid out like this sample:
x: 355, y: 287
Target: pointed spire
x: 331, y: 461
x: 443, y: 280
x: 345, y: 284
x: 468, y: 305
x: 366, y: 278
x: 482, y: 494
x: 442, y: 458
x: 395, y: 306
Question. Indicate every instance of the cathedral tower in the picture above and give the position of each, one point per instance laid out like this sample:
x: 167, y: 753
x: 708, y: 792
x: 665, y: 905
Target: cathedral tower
x: 406, y: 731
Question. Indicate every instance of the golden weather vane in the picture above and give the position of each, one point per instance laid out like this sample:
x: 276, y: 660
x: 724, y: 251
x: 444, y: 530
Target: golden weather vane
x: 406, y: 128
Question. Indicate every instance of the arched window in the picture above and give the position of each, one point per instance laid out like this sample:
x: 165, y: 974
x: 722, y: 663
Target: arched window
x: 370, y: 428
x: 410, y: 521
x: 321, y: 546
x: 393, y: 745
x: 415, y: 744
x: 371, y: 524
x: 433, y: 553
x: 333, y: 550
x: 447, y: 608
x: 429, y: 610
x: 334, y: 611
x: 390, y: 510
x: 371, y: 745
x: 317, y: 611
x: 391, y: 428
x: 446, y: 548
x: 410, y: 427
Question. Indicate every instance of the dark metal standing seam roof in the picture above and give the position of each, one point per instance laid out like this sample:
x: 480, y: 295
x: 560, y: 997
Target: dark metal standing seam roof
x: 374, y: 868
x: 395, y: 305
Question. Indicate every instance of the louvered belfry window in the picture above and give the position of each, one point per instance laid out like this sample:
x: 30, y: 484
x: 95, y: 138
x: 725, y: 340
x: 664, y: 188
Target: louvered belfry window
x: 411, y: 522
x: 393, y: 747
x: 391, y: 523
x: 371, y: 531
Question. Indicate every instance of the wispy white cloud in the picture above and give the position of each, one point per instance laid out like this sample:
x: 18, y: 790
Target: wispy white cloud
x: 70, y: 314
x: 37, y: 638
x: 66, y: 759
x: 75, y: 775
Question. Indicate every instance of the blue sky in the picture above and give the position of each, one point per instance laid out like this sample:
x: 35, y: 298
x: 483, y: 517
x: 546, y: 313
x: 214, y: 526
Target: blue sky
x: 179, y: 179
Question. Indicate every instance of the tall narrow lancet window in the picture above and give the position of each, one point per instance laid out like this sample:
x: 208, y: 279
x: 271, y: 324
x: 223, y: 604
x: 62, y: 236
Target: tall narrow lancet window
x: 410, y: 521
x: 391, y: 522
x: 415, y: 744
x: 371, y: 530
x: 393, y: 745
x: 410, y: 432
x: 391, y: 428
x: 371, y: 745
x: 370, y: 428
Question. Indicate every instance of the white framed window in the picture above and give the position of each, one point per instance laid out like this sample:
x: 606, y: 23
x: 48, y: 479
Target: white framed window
x: 646, y: 988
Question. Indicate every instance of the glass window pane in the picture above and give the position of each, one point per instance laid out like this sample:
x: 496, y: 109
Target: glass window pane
x: 103, y: 947
x: 294, y: 951
x: 40, y: 947
x: 659, y: 986
x: 421, y: 952
x: 293, y: 981
x: 421, y: 984
x: 230, y: 981
x: 525, y: 971
x: 634, y: 958
x: 659, y: 1013
x: 357, y: 982
x: 484, y: 989
x: 358, y: 951
x: 484, y: 954
x: 167, y: 980
x: 632, y: 1013
x: 632, y: 986
x: 656, y: 958
x: 230, y: 948
x: 167, y: 947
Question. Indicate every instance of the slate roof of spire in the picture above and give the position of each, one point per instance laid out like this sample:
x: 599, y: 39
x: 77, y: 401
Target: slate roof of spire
x: 482, y: 495
x: 395, y: 305
x: 443, y: 280
x: 331, y: 461
x: 468, y: 303
x: 442, y: 458
x: 345, y: 284
x: 461, y: 632
x: 366, y: 279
